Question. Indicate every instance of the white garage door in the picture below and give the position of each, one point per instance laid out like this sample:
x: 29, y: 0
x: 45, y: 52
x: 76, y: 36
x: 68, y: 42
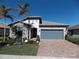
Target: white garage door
x: 52, y: 34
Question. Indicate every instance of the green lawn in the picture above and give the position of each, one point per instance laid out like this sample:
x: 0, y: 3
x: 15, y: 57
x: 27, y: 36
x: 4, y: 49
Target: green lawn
x: 73, y: 40
x: 26, y: 49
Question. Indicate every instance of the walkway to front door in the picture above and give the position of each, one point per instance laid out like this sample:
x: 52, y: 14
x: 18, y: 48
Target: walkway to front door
x: 58, y: 48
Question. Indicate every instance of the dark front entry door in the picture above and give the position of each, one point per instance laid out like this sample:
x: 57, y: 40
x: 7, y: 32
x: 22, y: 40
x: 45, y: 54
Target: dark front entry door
x: 33, y: 32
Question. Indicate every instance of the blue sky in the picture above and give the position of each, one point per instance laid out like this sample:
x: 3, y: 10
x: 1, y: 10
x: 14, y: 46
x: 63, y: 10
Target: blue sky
x: 62, y: 11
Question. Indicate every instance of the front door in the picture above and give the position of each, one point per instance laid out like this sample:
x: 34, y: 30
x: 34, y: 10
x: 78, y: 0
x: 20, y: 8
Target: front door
x: 33, y: 32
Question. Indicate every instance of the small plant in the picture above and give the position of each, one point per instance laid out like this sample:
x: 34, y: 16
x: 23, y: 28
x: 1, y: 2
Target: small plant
x: 37, y: 39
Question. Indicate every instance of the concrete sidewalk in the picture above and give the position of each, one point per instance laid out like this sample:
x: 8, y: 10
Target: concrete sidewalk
x: 30, y: 57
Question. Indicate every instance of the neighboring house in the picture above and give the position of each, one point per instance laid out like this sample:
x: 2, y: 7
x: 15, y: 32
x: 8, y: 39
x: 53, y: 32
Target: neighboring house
x: 74, y: 31
x: 2, y: 30
x: 44, y: 29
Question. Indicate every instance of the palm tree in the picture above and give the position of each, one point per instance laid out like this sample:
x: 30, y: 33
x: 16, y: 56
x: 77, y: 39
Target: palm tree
x: 23, y: 10
x: 4, y: 14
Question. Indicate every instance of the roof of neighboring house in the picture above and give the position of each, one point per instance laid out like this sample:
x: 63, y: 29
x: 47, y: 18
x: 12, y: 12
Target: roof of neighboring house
x: 3, y: 25
x: 47, y: 23
x: 73, y: 27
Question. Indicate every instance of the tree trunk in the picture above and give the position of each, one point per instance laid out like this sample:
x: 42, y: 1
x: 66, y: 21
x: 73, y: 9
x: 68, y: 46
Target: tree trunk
x: 4, y: 29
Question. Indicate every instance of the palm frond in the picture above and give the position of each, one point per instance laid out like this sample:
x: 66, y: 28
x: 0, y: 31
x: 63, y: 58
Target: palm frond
x: 10, y: 17
x: 18, y: 4
x: 26, y: 4
x: 22, y: 12
x: 2, y: 8
x: 20, y: 7
x: 5, y: 12
x: 10, y: 9
x: 27, y: 11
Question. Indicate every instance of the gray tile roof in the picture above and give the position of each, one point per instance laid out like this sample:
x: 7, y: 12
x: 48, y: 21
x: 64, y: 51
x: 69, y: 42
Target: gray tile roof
x: 42, y: 22
x: 51, y: 23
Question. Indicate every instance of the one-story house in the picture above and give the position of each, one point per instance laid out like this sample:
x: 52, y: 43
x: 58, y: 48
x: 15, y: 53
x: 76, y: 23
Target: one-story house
x: 39, y: 27
x: 2, y: 26
x: 74, y: 30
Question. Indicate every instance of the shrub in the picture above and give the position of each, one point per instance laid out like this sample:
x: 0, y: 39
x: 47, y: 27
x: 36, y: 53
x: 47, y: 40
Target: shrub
x: 8, y: 41
x: 1, y: 38
x: 38, y: 38
x: 72, y: 39
x: 2, y: 44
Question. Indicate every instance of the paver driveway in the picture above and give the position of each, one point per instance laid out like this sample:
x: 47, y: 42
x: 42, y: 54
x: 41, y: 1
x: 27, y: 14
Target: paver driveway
x: 58, y: 48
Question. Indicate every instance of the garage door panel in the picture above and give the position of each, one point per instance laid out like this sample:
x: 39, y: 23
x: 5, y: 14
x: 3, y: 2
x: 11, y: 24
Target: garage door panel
x: 52, y: 34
